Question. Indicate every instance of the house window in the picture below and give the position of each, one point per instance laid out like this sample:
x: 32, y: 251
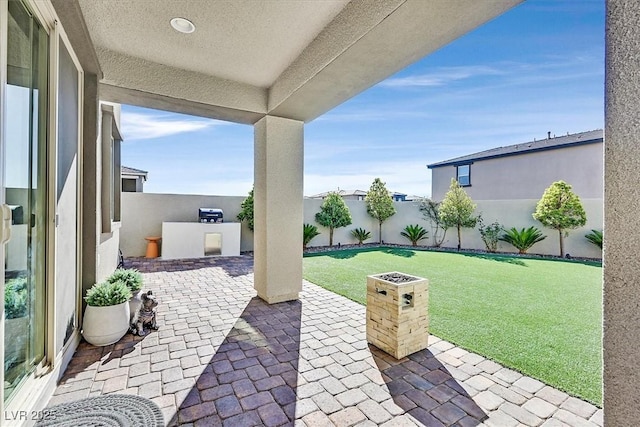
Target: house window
x: 111, y: 179
x: 463, y: 175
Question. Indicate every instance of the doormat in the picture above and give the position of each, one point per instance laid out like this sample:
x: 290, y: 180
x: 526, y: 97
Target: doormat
x: 112, y: 410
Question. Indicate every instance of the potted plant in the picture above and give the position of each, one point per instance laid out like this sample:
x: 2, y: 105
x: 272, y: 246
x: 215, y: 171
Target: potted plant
x: 16, y: 329
x: 106, y: 318
x: 132, y: 278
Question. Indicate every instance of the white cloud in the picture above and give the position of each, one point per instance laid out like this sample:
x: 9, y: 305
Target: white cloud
x: 442, y: 76
x: 138, y: 126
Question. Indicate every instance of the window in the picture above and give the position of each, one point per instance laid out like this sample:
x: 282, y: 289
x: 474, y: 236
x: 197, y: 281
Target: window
x: 111, y: 180
x: 463, y: 175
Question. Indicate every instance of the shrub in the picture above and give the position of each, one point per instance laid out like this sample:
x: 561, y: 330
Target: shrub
x: 595, y: 237
x: 15, y: 298
x: 106, y: 294
x: 309, y: 231
x: 246, y: 210
x: 523, y: 239
x: 360, y: 234
x: 490, y: 234
x: 414, y: 233
x: 430, y: 212
x: 130, y: 277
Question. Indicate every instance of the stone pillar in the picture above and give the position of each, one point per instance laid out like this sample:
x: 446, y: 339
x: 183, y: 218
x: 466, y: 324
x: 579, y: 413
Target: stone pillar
x: 621, y: 214
x: 278, y: 208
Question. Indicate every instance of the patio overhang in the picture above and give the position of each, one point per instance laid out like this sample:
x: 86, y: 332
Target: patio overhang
x: 275, y: 65
x: 245, y: 60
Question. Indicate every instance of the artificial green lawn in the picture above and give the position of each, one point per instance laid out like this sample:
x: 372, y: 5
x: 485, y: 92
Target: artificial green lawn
x: 540, y: 317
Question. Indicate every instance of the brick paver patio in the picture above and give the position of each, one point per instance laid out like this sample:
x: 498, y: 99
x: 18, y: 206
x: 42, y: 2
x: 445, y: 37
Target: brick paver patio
x: 224, y: 357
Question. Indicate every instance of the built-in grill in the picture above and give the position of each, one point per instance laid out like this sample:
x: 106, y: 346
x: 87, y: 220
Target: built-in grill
x: 210, y: 215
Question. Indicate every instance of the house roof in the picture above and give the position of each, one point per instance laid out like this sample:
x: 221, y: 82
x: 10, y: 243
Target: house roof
x: 344, y: 193
x: 126, y: 170
x: 589, y: 137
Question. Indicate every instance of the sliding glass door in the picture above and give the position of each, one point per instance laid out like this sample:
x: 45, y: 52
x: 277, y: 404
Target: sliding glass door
x: 25, y: 192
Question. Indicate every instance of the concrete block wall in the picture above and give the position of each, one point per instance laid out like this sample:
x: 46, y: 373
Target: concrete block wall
x: 143, y: 214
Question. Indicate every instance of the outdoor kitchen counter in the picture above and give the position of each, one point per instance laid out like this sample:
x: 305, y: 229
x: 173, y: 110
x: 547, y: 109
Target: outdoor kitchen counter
x: 197, y: 240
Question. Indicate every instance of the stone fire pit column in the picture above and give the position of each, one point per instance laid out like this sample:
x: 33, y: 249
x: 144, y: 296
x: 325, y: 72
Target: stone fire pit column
x: 397, y: 313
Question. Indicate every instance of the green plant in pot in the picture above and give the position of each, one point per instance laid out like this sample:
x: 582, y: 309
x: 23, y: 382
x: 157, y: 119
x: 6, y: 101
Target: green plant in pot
x: 106, y: 318
x: 16, y: 326
x: 15, y: 298
x: 132, y: 278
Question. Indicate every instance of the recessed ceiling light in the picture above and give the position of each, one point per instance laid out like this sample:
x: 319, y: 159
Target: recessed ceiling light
x: 183, y: 25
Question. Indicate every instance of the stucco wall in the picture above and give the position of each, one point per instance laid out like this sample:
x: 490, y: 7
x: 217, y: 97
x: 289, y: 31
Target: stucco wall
x: 143, y: 214
x: 526, y: 176
x: 622, y: 241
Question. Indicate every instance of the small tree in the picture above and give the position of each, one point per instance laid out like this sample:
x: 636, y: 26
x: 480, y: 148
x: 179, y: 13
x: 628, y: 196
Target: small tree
x: 333, y: 214
x: 430, y: 212
x: 456, y: 210
x: 560, y: 208
x: 379, y: 204
x: 246, y: 210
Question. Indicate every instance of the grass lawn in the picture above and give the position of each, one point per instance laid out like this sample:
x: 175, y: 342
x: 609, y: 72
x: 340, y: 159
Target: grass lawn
x: 540, y: 317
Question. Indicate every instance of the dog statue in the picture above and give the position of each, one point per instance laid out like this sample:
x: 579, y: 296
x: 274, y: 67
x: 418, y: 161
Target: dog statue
x: 145, y: 315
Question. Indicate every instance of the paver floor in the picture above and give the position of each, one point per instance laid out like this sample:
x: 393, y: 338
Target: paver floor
x: 224, y: 357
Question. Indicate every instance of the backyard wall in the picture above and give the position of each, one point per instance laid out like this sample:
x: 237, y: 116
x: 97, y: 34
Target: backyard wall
x: 143, y: 214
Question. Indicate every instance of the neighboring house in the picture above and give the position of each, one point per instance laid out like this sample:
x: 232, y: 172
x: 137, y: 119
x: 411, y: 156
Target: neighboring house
x: 133, y: 179
x: 524, y: 171
x: 357, y: 195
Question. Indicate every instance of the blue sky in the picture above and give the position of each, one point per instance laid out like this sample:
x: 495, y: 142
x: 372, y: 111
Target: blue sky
x: 537, y: 68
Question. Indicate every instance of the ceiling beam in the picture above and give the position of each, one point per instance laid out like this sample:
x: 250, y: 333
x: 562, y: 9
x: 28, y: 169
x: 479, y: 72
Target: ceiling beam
x: 143, y: 83
x: 342, y: 61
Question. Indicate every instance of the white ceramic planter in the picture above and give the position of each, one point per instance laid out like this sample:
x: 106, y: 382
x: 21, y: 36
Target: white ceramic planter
x: 134, y: 303
x: 105, y: 325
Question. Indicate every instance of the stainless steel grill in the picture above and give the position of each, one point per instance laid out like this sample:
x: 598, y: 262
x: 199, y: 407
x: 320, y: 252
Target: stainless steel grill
x: 210, y: 215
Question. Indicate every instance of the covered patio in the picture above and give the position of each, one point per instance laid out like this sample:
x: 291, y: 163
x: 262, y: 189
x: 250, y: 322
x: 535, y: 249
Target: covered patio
x: 222, y: 356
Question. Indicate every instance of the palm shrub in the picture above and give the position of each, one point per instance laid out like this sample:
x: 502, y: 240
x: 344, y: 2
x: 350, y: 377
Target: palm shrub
x: 108, y: 293
x: 490, y: 234
x: 414, y: 233
x: 523, y: 239
x: 595, y: 237
x: 360, y: 234
x: 129, y: 276
x: 15, y: 298
x: 309, y: 231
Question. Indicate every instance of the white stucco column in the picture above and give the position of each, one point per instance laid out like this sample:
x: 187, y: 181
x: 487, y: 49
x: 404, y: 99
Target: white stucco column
x: 278, y: 167
x: 622, y: 221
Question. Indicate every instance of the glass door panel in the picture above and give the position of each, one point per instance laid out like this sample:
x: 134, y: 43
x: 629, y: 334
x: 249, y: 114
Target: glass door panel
x: 67, y: 216
x: 25, y: 192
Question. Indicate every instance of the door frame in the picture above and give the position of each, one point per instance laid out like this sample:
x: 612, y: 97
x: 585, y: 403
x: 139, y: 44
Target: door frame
x: 40, y: 383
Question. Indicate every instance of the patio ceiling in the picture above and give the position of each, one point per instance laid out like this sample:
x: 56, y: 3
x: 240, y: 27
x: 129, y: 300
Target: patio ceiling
x: 289, y: 58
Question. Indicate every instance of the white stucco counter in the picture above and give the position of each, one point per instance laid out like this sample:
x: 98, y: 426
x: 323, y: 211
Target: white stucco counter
x: 196, y: 239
